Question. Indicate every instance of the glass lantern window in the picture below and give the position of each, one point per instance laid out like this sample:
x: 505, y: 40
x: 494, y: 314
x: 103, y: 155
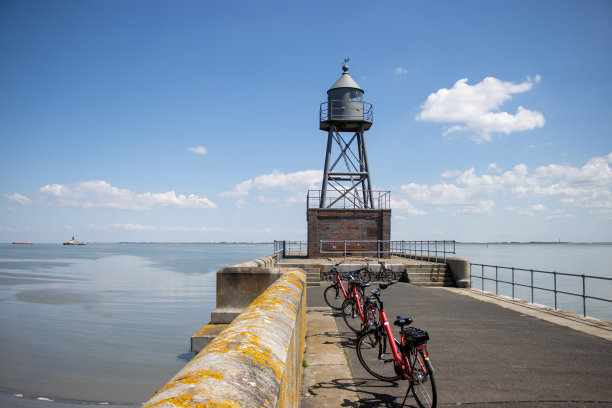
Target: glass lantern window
x: 356, y: 96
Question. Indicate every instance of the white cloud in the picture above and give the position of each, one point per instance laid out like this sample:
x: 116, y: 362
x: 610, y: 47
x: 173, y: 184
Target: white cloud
x: 475, y: 108
x: 400, y: 71
x: 530, y: 211
x: 100, y: 194
x: 18, y: 198
x: 406, y: 206
x: 589, y: 186
x: 493, y: 167
x: 292, y: 187
x: 197, y: 149
x: 559, y: 214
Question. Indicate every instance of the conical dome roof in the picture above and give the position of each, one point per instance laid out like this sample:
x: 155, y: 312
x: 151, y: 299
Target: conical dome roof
x: 345, y: 81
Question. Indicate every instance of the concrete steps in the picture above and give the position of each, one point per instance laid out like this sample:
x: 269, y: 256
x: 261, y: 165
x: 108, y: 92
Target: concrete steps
x: 313, y: 272
x: 425, y: 274
x: 430, y: 274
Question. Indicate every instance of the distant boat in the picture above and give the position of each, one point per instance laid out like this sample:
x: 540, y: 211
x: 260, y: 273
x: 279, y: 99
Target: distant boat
x: 74, y: 242
x: 23, y: 243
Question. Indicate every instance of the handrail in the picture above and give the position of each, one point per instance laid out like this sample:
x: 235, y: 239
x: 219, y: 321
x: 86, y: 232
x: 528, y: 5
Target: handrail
x: 555, y: 290
x: 339, y: 105
x: 380, y: 248
x: 382, y: 200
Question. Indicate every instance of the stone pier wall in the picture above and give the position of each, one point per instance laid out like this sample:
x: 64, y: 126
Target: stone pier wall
x: 255, y: 361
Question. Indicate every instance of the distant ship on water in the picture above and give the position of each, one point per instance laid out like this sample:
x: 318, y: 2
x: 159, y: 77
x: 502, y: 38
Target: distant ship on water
x: 73, y: 242
x: 23, y: 243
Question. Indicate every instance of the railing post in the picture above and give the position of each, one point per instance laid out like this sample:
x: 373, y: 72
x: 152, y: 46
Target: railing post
x: 496, y: 281
x: 555, y: 287
x: 583, y: 296
x: 482, y: 276
x: 345, y: 250
x: 532, y: 286
x: 513, y: 282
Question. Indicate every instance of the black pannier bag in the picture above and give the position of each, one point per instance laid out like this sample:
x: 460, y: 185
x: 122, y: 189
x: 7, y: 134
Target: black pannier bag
x: 414, y: 337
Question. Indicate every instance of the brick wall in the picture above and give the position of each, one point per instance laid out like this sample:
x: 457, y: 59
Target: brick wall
x: 349, y: 225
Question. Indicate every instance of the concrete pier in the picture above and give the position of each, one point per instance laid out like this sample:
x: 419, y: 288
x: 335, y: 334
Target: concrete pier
x: 487, y: 352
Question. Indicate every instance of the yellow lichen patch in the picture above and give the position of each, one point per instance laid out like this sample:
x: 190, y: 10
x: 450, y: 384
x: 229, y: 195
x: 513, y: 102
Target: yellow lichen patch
x: 186, y: 401
x: 191, y: 377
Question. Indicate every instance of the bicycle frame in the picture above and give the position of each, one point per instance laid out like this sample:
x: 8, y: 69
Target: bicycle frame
x: 355, y: 295
x: 339, y: 283
x: 400, y: 359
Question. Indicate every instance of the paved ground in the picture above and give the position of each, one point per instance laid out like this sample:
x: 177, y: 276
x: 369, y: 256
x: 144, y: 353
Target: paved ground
x: 484, y: 354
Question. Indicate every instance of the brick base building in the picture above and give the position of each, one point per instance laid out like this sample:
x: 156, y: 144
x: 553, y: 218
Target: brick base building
x: 361, y: 232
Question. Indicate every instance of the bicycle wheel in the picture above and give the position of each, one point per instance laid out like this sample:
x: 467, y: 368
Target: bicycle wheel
x: 350, y: 314
x: 387, y: 275
x: 334, y: 297
x: 363, y: 275
x: 422, y: 380
x: 375, y: 355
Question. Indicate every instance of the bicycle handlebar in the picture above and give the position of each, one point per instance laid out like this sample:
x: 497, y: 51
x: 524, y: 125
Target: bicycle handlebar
x: 385, y: 285
x: 382, y: 286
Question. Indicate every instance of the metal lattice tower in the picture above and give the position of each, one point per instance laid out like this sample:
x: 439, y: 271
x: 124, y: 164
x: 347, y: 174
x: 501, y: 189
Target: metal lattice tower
x: 346, y: 117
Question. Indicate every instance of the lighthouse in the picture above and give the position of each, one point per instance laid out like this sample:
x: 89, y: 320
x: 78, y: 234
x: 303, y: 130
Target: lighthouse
x: 346, y: 215
x: 346, y: 117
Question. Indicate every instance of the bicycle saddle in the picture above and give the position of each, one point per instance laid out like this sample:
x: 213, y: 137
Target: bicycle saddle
x: 402, y: 321
x: 363, y: 285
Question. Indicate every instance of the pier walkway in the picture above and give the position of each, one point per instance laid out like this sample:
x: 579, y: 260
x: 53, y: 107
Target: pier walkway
x: 486, y: 352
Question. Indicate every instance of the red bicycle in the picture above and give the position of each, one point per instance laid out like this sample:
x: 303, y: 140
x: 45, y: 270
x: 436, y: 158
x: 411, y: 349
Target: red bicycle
x: 359, y: 311
x: 335, y: 294
x: 389, y: 359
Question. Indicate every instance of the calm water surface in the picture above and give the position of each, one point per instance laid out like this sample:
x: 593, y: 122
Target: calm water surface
x: 105, y: 322
x: 575, y: 259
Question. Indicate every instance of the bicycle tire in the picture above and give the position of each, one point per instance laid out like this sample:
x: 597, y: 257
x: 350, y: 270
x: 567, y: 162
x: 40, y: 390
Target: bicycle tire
x: 363, y: 275
x: 387, y: 275
x: 422, y: 381
x: 375, y: 355
x: 351, y: 316
x: 334, y: 297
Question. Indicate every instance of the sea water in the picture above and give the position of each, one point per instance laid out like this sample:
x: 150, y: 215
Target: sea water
x: 112, y: 322
x: 105, y: 322
x: 572, y: 259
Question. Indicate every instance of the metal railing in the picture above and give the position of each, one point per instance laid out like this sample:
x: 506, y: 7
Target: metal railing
x: 284, y: 249
x: 380, y: 249
x: 338, y: 111
x: 532, y: 287
x: 423, y: 249
x: 382, y: 200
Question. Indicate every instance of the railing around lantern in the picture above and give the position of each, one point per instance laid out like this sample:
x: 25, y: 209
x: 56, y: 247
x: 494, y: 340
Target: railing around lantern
x: 556, y: 282
x: 337, y: 111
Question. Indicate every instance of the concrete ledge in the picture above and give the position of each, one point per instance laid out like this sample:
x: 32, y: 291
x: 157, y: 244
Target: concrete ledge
x: 205, y: 335
x: 238, y: 286
x: 267, y: 261
x: 255, y: 361
x: 459, y: 267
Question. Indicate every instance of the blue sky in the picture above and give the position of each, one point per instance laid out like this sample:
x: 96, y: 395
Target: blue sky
x: 198, y: 121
